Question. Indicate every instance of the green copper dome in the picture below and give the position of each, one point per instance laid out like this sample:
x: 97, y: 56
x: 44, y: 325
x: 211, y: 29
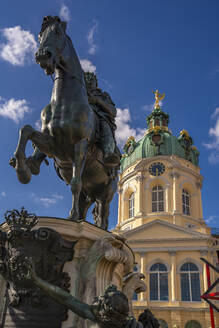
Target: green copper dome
x: 158, y: 140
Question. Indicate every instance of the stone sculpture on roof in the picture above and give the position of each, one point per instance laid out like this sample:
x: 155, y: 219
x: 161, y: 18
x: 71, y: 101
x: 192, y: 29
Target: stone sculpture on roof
x: 158, y: 140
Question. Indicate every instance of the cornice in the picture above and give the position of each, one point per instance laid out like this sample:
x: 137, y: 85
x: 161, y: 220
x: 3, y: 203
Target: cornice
x: 169, y: 307
x: 68, y: 228
x: 168, y: 249
x: 165, y: 215
x: 166, y: 224
x: 140, y: 166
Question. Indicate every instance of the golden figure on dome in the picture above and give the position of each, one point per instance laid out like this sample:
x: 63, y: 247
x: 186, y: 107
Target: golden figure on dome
x: 158, y: 97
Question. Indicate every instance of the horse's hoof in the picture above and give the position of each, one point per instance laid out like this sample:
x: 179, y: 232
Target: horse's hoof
x: 73, y: 218
x: 12, y: 162
x: 23, y: 174
x: 34, y: 166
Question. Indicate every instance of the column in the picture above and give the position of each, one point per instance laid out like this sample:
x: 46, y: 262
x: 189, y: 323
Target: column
x: 120, y: 209
x: 167, y: 198
x: 200, y: 212
x: 175, y: 209
x: 143, y: 264
x: 140, y: 178
x: 173, y: 275
x: 204, y: 254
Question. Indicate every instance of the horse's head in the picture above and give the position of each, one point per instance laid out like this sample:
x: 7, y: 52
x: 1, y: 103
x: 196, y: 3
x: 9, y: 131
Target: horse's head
x: 52, y: 38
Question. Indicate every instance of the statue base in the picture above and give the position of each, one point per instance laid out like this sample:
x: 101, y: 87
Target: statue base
x: 100, y: 258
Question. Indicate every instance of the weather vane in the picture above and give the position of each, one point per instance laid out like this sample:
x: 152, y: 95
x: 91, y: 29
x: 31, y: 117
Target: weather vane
x: 158, y: 97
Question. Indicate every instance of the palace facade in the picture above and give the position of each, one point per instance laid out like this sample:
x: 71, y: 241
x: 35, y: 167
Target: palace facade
x: 160, y: 215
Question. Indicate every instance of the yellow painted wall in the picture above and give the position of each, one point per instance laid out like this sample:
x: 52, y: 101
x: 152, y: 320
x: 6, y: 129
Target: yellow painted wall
x: 169, y: 237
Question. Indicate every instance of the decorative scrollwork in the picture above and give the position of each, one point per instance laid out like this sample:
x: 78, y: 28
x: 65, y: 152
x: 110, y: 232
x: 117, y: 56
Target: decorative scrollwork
x: 20, y: 221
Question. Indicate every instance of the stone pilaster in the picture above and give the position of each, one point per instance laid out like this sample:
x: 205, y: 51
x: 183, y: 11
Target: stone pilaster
x: 175, y: 175
x: 204, y: 254
x: 140, y: 178
x: 120, y: 207
x: 143, y: 263
x: 173, y: 275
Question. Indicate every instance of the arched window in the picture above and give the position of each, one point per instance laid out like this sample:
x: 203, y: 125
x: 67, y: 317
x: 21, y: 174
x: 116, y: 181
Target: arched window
x: 185, y: 202
x: 193, y: 324
x: 162, y: 323
x: 131, y: 205
x: 157, y: 199
x: 190, y: 282
x: 158, y: 282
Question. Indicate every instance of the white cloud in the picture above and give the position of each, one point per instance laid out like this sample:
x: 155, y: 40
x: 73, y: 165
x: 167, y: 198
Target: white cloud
x: 124, y: 129
x: 216, y: 113
x: 65, y: 13
x: 210, y: 218
x: 38, y: 124
x: 3, y: 194
x: 47, y: 201
x: 90, y: 38
x: 214, y: 157
x: 214, y: 144
x: 214, y: 132
x: 20, y: 47
x: 57, y: 196
x: 87, y: 65
x: 14, y: 109
x: 148, y: 108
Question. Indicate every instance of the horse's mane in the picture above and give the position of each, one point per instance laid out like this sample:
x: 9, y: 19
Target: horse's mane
x: 47, y: 21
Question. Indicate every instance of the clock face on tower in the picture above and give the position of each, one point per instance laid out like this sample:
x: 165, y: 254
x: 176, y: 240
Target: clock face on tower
x: 156, y: 169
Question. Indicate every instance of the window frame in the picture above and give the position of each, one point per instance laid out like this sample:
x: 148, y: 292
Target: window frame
x: 157, y: 190
x: 163, y: 322
x: 159, y: 272
x: 131, y: 205
x: 186, y: 207
x: 192, y: 322
x: 189, y: 273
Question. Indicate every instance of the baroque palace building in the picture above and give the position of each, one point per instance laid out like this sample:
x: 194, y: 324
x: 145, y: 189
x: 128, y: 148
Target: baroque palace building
x: 160, y: 215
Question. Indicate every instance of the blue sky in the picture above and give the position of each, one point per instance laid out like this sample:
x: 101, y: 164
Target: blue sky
x: 134, y: 47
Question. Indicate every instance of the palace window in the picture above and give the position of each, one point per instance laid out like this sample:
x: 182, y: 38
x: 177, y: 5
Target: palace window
x: 190, y: 282
x: 193, y: 324
x: 157, y: 199
x: 163, y: 323
x: 158, y: 282
x: 131, y: 205
x: 185, y: 202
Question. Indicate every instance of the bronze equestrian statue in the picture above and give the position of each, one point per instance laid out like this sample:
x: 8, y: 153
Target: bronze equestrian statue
x: 79, y: 136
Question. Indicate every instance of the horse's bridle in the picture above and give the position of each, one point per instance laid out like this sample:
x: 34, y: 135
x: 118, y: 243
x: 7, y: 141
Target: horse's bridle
x: 58, y: 63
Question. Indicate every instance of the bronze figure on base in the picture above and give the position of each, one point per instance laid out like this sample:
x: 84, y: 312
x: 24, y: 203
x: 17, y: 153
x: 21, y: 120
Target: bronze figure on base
x: 77, y: 135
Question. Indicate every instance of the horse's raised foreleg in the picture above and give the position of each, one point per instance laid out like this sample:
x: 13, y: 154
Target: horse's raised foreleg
x: 35, y: 160
x: 42, y: 142
x: 80, y: 153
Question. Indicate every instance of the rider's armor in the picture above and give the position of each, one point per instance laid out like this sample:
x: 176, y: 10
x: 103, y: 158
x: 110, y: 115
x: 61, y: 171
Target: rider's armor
x: 98, y: 100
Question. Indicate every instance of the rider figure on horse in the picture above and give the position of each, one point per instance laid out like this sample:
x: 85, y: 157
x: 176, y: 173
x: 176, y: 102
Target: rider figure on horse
x: 105, y: 109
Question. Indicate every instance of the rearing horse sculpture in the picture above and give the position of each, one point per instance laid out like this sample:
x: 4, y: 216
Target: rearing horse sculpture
x: 68, y: 129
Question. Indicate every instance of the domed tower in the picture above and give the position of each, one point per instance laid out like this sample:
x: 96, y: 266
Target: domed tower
x: 160, y: 177
x: 160, y: 215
